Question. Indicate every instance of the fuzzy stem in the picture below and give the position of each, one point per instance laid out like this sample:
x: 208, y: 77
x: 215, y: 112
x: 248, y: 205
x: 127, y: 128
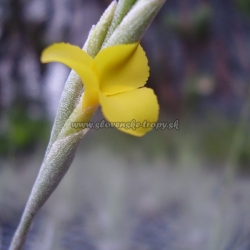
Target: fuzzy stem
x: 80, y: 116
x: 135, y: 23
x: 121, y: 11
x: 99, y: 32
x: 51, y: 173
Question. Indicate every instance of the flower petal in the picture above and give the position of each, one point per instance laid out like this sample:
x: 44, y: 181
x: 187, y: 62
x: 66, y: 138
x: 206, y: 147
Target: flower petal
x: 80, y: 62
x: 122, y: 68
x: 72, y: 56
x: 134, y: 112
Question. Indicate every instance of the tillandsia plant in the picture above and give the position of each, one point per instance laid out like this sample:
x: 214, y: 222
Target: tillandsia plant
x: 110, y: 72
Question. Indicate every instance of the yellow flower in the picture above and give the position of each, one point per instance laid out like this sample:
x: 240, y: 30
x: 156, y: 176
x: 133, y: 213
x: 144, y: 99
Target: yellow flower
x: 114, y: 79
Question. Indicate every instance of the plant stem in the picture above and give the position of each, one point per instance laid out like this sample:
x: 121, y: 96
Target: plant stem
x: 51, y: 173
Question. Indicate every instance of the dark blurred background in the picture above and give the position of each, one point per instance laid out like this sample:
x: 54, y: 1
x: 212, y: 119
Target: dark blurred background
x: 172, y: 189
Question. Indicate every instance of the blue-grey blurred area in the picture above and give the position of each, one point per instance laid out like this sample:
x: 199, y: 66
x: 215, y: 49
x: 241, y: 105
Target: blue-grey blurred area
x: 185, y: 188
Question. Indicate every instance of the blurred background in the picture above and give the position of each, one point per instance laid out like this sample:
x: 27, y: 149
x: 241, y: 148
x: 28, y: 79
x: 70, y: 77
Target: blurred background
x: 186, y: 188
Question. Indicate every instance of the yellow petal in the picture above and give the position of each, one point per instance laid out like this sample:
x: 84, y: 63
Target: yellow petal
x: 122, y: 68
x: 80, y: 62
x: 67, y: 54
x: 134, y: 112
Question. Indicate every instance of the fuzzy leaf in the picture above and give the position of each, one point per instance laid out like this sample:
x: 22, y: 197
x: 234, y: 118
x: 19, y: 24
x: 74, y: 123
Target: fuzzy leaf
x: 135, y: 23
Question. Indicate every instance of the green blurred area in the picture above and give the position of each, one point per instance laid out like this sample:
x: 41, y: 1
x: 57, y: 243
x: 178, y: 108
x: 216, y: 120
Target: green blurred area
x: 244, y: 6
x: 197, y: 27
x: 20, y: 133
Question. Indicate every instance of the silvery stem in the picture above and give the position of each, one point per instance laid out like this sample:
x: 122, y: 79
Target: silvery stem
x: 53, y: 169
